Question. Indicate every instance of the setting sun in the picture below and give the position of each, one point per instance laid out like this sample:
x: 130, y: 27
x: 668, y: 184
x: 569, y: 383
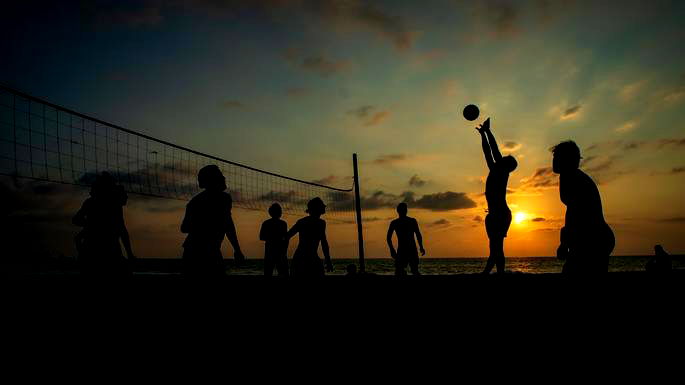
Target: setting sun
x: 520, y: 217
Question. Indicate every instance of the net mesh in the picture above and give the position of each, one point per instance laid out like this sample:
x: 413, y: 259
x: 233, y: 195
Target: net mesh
x: 43, y: 141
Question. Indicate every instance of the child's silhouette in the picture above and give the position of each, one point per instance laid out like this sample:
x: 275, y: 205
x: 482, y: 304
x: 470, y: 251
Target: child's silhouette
x: 273, y: 233
x: 207, y: 220
x: 586, y: 239
x: 498, y: 220
x: 312, y: 230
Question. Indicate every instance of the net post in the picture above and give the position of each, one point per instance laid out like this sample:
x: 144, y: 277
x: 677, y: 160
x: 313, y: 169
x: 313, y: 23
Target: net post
x: 358, y: 210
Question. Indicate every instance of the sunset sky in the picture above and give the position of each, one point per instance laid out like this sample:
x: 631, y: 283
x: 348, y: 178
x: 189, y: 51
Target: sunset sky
x: 296, y: 86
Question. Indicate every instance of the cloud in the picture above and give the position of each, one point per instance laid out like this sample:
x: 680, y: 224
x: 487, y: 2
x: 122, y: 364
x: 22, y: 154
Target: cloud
x: 539, y: 219
x: 336, y: 15
x: 232, y: 104
x: 444, y: 201
x: 571, y: 112
x: 503, y: 17
x: 416, y: 181
x: 677, y: 170
x: 478, y: 219
x: 391, y: 159
x: 324, y: 66
x: 441, y: 222
x: 364, y: 15
x: 318, y: 64
x: 333, y: 180
x: 674, y: 96
x: 542, y: 178
x: 626, y: 127
x: 511, y: 146
x: 635, y: 145
x: 368, y: 115
x: 630, y: 91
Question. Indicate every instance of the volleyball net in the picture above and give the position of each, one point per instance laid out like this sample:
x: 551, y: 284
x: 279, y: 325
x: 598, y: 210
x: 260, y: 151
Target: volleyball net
x: 43, y: 141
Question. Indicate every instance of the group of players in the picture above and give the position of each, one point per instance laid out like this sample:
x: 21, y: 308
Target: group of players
x: 586, y: 241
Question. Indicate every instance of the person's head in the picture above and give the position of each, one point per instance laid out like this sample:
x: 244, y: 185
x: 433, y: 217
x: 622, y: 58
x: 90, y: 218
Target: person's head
x: 103, y: 185
x: 509, y: 163
x: 402, y: 209
x: 211, y: 178
x: 316, y: 207
x: 566, y: 157
x: 658, y: 249
x: 275, y: 211
x: 351, y: 269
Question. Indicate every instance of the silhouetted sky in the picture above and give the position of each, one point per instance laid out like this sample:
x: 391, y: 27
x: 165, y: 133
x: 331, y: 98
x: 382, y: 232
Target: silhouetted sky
x: 297, y: 86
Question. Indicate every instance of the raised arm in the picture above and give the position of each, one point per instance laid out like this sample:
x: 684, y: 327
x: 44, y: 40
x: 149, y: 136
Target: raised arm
x: 491, y: 139
x: 484, y: 141
x: 391, y: 229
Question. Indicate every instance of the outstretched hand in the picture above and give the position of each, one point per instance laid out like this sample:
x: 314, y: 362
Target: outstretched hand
x: 485, y: 127
x: 423, y: 252
x: 329, y: 266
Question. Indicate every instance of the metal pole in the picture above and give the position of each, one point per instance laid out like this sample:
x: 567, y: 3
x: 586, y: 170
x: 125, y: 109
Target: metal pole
x: 358, y: 209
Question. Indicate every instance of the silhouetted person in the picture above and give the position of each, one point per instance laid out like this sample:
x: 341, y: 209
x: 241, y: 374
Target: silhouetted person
x: 312, y: 229
x: 498, y: 220
x: 661, y: 262
x: 586, y: 239
x: 405, y: 227
x: 207, y: 220
x: 273, y: 233
x: 102, y: 219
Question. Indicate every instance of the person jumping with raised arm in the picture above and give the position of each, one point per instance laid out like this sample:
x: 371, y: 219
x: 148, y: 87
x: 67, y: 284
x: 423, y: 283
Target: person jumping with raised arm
x: 498, y: 220
x: 405, y: 227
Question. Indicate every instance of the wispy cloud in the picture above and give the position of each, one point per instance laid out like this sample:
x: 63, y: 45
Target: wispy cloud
x: 390, y: 159
x: 369, y: 116
x: 570, y: 113
x: 318, y: 64
x: 630, y: 91
x: 441, y: 222
x: 416, y: 181
x: 626, y: 127
x: 511, y: 146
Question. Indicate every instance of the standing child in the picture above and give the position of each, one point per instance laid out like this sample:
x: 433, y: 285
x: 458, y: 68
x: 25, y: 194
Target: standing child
x: 273, y: 233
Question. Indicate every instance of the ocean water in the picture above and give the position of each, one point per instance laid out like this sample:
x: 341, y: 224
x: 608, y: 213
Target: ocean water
x: 449, y: 266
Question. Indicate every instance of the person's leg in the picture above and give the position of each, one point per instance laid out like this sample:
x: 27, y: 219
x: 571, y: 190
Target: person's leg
x: 414, y: 264
x: 497, y: 253
x: 400, y: 266
x: 268, y: 265
x: 282, y: 266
